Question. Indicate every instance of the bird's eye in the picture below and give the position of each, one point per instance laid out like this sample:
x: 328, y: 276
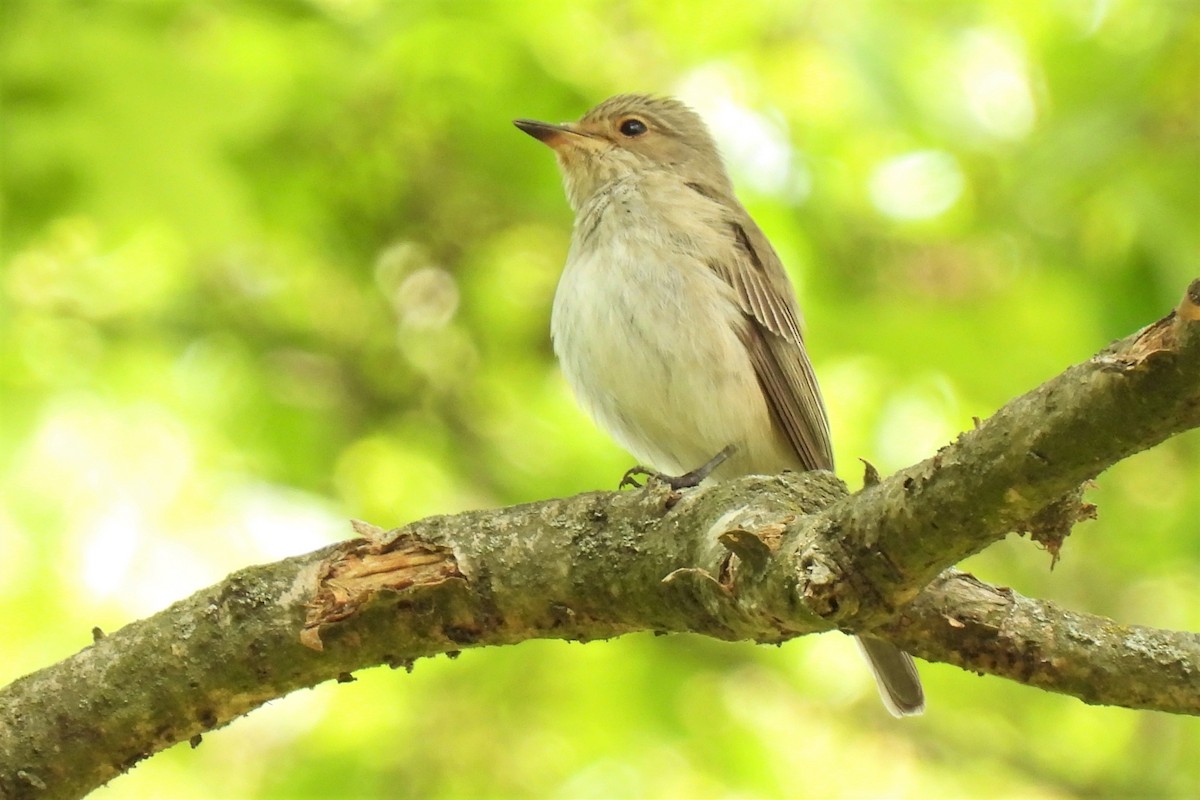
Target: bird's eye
x: 632, y: 127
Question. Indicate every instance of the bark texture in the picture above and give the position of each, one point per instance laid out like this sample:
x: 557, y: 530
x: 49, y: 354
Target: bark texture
x: 761, y: 558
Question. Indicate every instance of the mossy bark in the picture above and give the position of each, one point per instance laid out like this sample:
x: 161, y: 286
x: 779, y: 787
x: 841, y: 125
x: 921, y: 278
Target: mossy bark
x: 760, y: 558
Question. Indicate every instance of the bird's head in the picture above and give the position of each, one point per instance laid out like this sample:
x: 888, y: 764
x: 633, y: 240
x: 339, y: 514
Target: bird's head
x: 626, y: 135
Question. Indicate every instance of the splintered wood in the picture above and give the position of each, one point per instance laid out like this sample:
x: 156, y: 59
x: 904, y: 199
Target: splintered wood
x: 350, y: 578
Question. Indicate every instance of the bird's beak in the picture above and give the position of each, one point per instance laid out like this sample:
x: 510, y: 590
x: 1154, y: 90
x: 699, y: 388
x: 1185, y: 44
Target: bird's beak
x: 556, y: 136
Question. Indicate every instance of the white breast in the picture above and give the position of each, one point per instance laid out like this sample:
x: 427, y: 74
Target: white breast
x: 646, y: 336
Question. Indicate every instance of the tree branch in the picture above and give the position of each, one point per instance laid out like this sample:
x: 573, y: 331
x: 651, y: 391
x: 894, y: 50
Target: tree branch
x: 960, y: 620
x: 1034, y: 452
x: 760, y: 558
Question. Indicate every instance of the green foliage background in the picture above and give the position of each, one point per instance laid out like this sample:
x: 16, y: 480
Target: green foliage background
x: 270, y: 265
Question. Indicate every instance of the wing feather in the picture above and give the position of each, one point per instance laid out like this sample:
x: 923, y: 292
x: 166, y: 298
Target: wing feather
x: 773, y: 338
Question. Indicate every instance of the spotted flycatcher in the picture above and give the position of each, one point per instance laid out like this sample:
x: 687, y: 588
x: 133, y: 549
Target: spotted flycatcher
x: 674, y: 321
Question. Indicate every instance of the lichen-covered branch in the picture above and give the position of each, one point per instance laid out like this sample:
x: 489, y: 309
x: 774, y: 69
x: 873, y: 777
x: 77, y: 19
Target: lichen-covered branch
x: 962, y: 621
x: 581, y: 568
x: 760, y: 558
x: 1034, y: 453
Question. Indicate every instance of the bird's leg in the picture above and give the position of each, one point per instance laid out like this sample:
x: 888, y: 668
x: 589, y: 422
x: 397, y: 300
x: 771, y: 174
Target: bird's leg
x: 684, y: 481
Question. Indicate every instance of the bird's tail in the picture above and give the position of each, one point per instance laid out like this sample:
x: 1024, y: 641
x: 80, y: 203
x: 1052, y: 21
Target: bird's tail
x: 896, y: 674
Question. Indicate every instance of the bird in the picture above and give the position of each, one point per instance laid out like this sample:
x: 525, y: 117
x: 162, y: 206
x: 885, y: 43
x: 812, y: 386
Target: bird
x: 674, y: 321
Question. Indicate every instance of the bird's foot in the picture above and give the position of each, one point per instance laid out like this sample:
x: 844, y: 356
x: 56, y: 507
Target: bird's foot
x: 676, y: 482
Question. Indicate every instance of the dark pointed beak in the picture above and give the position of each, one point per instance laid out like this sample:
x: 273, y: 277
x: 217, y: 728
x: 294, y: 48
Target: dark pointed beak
x: 548, y: 133
x: 538, y: 130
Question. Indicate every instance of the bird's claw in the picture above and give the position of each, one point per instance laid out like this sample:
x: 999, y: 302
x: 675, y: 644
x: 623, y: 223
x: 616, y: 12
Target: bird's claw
x: 676, y: 482
x: 630, y: 478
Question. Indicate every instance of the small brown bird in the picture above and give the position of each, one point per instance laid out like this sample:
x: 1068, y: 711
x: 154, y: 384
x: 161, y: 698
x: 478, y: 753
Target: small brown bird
x: 674, y: 321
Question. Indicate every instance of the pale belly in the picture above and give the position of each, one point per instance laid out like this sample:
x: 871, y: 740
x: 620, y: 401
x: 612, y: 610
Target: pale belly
x: 652, y: 354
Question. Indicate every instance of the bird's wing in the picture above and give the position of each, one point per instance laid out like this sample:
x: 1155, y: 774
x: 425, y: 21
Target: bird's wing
x: 751, y: 267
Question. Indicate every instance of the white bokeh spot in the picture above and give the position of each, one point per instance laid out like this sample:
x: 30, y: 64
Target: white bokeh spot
x: 917, y: 185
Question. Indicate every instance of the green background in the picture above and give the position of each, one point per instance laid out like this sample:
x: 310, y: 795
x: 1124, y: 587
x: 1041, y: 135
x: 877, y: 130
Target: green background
x: 267, y: 266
